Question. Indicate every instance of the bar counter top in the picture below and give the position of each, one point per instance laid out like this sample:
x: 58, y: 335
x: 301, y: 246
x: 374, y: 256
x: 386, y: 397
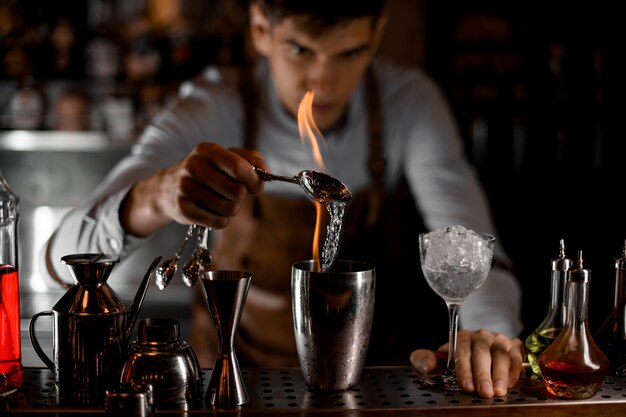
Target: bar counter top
x: 382, y: 391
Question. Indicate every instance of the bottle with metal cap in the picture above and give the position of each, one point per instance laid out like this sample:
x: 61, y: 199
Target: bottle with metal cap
x: 552, y: 323
x: 611, y: 335
x: 573, y: 366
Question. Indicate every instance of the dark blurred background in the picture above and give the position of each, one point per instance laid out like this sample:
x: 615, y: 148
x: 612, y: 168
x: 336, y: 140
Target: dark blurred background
x: 537, y: 89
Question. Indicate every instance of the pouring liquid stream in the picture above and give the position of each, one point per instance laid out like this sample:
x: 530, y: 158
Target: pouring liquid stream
x: 336, y: 209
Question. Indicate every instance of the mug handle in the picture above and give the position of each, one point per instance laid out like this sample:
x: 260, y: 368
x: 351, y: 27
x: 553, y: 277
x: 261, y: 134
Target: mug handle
x: 33, y: 339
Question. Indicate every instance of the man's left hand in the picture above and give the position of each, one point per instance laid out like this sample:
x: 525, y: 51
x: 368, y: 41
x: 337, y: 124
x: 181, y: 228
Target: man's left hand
x: 486, y: 363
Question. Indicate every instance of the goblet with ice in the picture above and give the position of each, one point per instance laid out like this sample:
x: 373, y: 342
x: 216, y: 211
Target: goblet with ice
x: 455, y: 262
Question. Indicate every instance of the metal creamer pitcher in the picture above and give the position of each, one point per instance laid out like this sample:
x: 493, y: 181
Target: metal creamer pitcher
x: 91, y: 329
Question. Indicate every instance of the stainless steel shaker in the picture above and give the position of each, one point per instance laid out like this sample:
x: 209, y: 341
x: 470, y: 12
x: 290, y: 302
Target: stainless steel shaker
x: 89, y: 332
x: 332, y: 313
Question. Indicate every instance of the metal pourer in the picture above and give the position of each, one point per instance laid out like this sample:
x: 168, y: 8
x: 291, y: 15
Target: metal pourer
x: 561, y: 263
x: 579, y: 273
x: 560, y: 266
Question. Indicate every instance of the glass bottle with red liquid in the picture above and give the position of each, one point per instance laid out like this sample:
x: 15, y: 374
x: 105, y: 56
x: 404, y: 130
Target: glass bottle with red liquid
x: 573, y: 366
x: 11, y: 373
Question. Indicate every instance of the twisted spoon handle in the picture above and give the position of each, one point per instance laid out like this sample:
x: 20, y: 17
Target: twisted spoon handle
x: 266, y: 176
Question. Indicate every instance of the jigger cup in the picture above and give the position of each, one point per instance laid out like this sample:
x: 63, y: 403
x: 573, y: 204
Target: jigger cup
x: 226, y: 293
x: 332, y: 315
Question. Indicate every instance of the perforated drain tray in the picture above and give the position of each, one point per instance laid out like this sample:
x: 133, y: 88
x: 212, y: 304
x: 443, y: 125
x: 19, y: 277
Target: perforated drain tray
x: 389, y: 391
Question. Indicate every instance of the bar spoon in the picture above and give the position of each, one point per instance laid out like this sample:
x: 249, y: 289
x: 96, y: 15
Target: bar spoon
x: 319, y: 186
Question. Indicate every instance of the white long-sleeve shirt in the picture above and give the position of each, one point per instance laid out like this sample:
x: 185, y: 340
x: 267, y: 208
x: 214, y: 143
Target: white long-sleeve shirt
x: 421, y: 142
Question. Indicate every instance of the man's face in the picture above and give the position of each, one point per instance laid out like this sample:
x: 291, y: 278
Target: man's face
x: 331, y: 64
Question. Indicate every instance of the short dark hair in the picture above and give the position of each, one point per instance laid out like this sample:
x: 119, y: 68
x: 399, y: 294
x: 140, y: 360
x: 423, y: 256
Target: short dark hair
x: 321, y: 14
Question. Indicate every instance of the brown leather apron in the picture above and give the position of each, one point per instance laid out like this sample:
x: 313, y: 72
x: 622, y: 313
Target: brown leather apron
x: 268, y: 236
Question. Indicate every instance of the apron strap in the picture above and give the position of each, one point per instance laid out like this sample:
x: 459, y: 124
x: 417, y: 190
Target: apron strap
x: 376, y: 161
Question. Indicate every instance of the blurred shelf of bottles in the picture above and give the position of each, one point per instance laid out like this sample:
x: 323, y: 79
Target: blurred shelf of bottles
x: 107, y: 65
x: 532, y: 85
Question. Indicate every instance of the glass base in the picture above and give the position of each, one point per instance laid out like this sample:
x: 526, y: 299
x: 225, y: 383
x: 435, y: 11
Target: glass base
x: 442, y: 379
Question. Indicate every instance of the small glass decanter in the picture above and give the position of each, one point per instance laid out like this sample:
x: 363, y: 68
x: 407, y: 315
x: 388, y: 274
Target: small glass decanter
x: 573, y: 366
x: 611, y: 335
x: 552, y: 324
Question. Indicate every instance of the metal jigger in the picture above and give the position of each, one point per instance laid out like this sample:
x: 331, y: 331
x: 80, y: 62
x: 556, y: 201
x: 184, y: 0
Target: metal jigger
x: 226, y: 293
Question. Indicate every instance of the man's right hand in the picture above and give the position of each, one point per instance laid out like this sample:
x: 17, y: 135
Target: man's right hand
x: 207, y: 187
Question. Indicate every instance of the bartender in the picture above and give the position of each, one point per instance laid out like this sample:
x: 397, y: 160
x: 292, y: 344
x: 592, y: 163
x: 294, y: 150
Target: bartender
x: 389, y: 135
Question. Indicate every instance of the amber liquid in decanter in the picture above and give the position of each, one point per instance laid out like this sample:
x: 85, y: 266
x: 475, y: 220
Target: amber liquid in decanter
x: 573, y: 366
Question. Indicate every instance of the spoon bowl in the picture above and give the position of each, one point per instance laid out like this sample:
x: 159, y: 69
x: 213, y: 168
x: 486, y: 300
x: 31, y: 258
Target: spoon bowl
x: 318, y: 185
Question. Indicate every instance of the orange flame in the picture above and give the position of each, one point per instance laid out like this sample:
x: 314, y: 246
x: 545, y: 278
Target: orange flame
x: 319, y: 210
x: 309, y: 131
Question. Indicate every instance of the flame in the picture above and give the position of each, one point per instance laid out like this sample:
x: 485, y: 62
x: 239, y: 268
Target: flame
x: 310, y: 132
x: 308, y: 128
x: 319, y: 210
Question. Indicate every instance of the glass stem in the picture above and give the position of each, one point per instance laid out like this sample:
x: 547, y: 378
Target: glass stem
x: 453, y: 314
